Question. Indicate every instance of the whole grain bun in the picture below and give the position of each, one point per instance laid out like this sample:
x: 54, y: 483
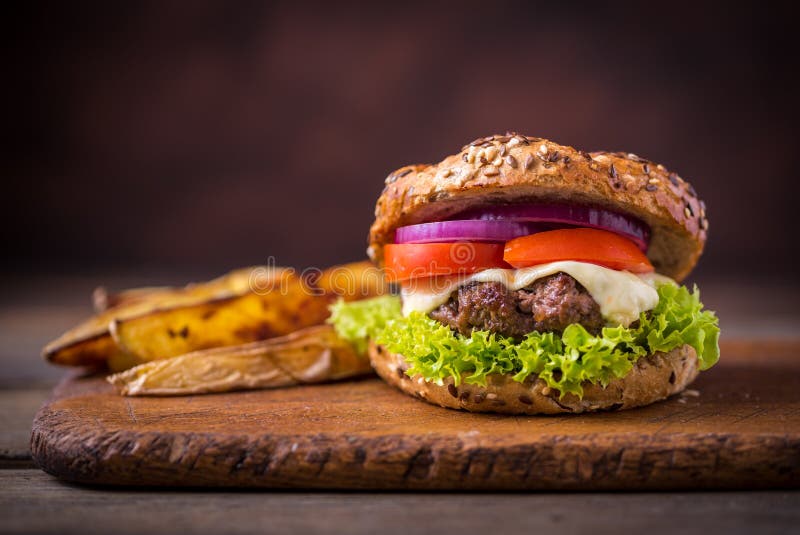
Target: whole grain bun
x: 652, y: 378
x: 517, y: 168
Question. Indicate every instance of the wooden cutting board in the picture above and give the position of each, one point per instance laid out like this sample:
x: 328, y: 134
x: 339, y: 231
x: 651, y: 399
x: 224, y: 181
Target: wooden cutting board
x: 741, y: 428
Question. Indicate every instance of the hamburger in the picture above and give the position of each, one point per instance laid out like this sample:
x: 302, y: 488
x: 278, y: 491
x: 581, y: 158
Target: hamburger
x: 535, y: 278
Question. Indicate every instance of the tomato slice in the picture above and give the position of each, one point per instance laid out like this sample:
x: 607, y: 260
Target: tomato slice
x: 579, y: 244
x: 406, y: 261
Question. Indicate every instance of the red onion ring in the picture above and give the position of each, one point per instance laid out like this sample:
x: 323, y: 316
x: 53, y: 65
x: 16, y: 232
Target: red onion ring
x: 568, y: 215
x: 475, y: 230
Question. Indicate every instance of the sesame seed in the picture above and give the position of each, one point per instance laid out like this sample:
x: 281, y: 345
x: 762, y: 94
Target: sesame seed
x: 511, y: 161
x: 490, y: 153
x: 704, y: 224
x: 491, y: 395
x: 661, y: 167
x: 491, y: 170
x: 546, y: 391
x: 513, y: 142
x: 687, y: 212
x: 394, y: 176
x: 542, y: 149
x: 654, y: 180
x: 528, y: 161
x: 593, y: 166
x: 503, y: 150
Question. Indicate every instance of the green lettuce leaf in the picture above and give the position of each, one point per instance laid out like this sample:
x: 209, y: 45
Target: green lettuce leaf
x: 358, y: 321
x: 435, y: 352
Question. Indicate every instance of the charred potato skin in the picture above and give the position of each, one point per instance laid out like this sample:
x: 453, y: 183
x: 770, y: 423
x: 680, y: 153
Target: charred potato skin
x: 311, y: 355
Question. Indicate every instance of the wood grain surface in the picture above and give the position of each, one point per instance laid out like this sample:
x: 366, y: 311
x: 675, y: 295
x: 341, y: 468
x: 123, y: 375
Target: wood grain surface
x: 741, y: 431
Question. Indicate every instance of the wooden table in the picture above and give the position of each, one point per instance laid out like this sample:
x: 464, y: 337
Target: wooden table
x: 34, y: 310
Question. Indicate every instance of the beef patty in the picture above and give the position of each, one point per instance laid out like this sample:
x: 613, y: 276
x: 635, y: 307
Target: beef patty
x: 549, y: 304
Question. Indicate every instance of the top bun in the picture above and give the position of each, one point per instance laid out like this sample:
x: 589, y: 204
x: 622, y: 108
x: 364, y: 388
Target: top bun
x: 517, y: 169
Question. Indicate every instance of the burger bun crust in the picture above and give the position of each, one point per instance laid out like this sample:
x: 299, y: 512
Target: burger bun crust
x: 653, y: 378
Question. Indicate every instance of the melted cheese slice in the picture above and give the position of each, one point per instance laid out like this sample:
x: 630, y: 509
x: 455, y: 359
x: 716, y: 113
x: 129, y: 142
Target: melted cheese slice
x: 622, y: 296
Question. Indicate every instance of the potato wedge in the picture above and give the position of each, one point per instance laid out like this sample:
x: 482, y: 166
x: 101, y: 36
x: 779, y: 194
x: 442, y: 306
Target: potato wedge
x: 90, y: 343
x: 241, y: 306
x: 276, y: 306
x: 168, y: 332
x: 310, y: 355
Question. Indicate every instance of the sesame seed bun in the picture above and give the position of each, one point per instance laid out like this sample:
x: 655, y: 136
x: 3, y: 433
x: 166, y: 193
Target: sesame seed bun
x: 652, y: 378
x: 516, y: 168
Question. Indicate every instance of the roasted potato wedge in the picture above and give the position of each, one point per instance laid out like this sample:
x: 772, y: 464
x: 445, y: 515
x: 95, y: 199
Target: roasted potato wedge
x: 242, y: 306
x: 168, y: 332
x: 90, y: 343
x: 274, y: 307
x: 310, y: 355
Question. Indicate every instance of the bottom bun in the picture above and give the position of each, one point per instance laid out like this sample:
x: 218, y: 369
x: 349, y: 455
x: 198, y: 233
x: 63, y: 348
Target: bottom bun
x: 652, y: 378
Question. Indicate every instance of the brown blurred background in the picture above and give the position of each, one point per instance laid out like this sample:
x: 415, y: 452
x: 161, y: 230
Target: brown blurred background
x: 161, y: 141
